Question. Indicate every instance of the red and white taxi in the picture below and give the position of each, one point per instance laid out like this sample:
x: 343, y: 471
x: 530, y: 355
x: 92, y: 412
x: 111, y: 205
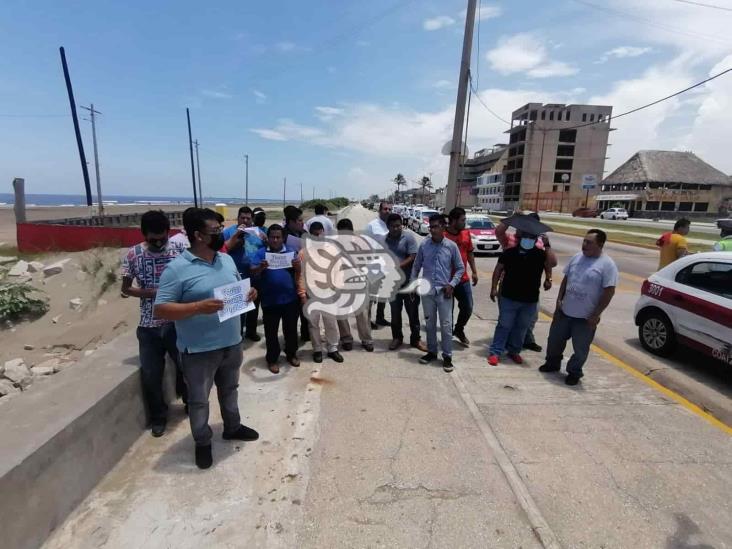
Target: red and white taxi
x: 482, y: 233
x: 688, y: 302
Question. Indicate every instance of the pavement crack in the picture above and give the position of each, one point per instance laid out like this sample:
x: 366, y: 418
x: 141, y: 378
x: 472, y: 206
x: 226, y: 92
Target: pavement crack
x: 386, y: 494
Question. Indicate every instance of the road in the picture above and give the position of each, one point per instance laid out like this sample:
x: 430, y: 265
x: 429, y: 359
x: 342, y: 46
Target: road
x: 661, y: 224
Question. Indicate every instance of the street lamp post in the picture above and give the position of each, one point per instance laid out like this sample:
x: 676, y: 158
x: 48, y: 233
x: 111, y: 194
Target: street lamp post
x: 565, y: 178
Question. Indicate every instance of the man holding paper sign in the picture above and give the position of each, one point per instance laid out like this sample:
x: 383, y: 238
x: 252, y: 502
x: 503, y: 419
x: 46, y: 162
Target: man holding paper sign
x: 210, y: 349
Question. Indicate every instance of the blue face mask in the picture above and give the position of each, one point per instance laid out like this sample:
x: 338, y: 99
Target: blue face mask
x: 527, y: 243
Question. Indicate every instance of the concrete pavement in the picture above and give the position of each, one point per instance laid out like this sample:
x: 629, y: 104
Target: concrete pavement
x: 383, y: 452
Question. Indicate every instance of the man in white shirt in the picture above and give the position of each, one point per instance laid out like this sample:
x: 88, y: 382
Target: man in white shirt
x: 321, y: 216
x: 378, y: 229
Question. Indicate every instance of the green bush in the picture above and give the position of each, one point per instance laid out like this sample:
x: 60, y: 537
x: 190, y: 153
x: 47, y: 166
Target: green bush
x: 332, y: 204
x: 18, y: 301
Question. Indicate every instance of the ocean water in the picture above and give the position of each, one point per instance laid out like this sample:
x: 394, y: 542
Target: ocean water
x: 8, y: 199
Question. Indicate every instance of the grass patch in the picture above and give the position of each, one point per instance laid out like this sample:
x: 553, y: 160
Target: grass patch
x: 609, y: 226
x: 20, y: 300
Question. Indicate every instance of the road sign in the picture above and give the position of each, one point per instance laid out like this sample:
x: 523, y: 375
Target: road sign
x: 589, y: 181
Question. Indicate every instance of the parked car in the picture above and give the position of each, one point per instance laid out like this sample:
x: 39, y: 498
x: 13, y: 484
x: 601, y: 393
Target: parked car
x: 482, y: 233
x: 614, y: 213
x: 688, y: 302
x: 585, y: 212
x: 420, y: 222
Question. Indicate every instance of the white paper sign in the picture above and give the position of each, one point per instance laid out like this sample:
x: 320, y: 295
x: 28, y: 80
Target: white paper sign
x: 251, y: 230
x: 279, y: 261
x: 235, y: 298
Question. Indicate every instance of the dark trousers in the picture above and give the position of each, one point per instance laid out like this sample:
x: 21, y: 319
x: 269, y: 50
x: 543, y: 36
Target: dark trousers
x: 463, y: 295
x: 380, y: 308
x: 304, y: 323
x: 562, y: 329
x: 154, y: 343
x: 272, y: 315
x: 201, y: 371
x: 249, y: 319
x: 410, y: 302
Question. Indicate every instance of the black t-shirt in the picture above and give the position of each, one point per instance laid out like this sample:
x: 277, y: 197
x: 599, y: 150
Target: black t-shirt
x: 522, y: 273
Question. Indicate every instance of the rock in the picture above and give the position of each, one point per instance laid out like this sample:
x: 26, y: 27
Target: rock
x: 28, y: 347
x: 7, y: 388
x: 55, y: 268
x: 88, y: 352
x: 42, y: 371
x: 16, y: 371
x: 55, y: 319
x: 19, y: 269
x: 63, y: 365
x: 35, y: 266
x: 51, y: 364
x: 8, y: 259
x: 75, y: 304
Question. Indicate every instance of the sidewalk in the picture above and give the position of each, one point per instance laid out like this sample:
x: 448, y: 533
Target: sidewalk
x: 381, y: 451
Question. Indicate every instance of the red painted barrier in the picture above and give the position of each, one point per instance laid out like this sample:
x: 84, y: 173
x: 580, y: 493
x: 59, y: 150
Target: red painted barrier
x: 43, y: 237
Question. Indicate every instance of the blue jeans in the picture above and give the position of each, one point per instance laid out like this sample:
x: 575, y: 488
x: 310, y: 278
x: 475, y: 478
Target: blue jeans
x: 563, y: 328
x: 433, y: 304
x: 514, y: 318
x: 464, y: 296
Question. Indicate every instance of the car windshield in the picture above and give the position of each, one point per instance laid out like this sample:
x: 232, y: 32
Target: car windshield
x: 479, y: 224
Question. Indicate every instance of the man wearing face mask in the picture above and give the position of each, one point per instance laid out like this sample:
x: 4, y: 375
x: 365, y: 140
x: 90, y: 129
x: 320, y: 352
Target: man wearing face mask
x: 144, y: 264
x: 520, y: 268
x: 210, y: 350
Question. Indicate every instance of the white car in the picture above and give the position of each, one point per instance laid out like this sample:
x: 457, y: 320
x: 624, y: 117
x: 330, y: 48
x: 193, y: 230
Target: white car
x: 482, y: 233
x: 420, y: 223
x: 688, y: 302
x: 615, y: 213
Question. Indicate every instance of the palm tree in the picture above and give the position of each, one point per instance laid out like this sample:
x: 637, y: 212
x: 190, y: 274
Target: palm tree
x: 425, y: 184
x: 399, y: 181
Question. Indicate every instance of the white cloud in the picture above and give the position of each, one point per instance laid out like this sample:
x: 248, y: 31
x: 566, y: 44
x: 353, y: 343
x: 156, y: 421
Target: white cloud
x: 526, y: 53
x: 260, y: 97
x: 327, y: 113
x: 437, y: 23
x: 623, y: 52
x: 216, y: 94
x: 272, y: 135
x: 285, y: 46
x: 444, y: 85
x: 487, y: 11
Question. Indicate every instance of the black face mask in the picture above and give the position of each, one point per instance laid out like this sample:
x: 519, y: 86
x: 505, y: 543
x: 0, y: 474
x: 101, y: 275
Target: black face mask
x: 217, y: 242
x: 156, y: 246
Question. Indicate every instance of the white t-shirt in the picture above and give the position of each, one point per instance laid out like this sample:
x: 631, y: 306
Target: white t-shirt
x: 180, y: 238
x: 327, y: 223
x: 587, y: 277
x: 377, y: 228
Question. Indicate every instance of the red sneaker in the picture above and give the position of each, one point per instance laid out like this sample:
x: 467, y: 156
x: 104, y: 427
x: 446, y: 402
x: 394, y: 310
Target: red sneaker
x: 516, y: 358
x: 493, y: 360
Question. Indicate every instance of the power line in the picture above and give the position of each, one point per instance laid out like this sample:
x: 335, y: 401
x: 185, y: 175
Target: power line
x: 480, y: 100
x: 703, y: 5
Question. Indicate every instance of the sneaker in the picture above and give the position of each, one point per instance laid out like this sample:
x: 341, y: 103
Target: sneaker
x: 274, y: 368
x: 368, y: 347
x: 462, y: 338
x: 242, y: 433
x: 204, y: 459
x: 426, y: 359
x: 157, y: 429
x: 420, y: 346
x: 533, y: 347
x: 572, y: 379
x: 447, y: 364
x: 516, y: 358
x: 253, y: 337
x: 382, y: 322
x: 294, y: 361
x: 348, y: 346
x: 335, y: 355
x: 395, y: 344
x: 318, y: 357
x: 548, y: 368
x: 493, y: 360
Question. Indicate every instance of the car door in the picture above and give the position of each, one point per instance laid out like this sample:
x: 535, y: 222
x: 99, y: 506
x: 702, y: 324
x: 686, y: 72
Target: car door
x: 702, y: 298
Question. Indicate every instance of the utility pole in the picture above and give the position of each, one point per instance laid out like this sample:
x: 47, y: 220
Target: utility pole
x: 301, y: 200
x: 92, y: 113
x: 246, y: 188
x: 456, y: 150
x: 77, y: 131
x: 198, y: 167
x: 190, y: 146
x: 313, y: 192
x: 284, y: 190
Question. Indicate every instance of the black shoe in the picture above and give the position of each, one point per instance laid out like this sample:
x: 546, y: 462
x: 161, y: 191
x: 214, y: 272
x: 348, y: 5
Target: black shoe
x: 447, y: 364
x: 158, y: 429
x: 462, y: 338
x: 335, y: 355
x: 242, y: 433
x: 318, y: 357
x: 204, y: 459
x: 382, y: 322
x: 548, y: 368
x: 375, y: 326
x: 533, y: 347
x: 572, y: 379
x: 347, y: 346
x: 368, y: 347
x: 253, y: 337
x: 426, y: 359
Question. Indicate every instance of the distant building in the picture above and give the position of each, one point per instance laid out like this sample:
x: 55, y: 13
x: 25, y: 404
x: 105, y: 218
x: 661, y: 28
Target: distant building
x: 491, y: 188
x: 667, y: 184
x: 485, y: 160
x: 550, y: 141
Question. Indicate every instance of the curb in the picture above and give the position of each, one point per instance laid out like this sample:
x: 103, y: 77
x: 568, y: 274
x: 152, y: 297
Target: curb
x: 615, y: 241
x: 668, y: 377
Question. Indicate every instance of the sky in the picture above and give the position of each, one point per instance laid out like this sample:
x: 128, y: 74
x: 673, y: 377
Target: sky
x: 339, y: 96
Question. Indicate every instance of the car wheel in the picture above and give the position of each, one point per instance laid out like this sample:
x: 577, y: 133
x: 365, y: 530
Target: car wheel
x: 656, y: 333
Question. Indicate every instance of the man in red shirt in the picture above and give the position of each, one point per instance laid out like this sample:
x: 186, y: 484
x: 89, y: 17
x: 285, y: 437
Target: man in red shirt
x: 463, y: 293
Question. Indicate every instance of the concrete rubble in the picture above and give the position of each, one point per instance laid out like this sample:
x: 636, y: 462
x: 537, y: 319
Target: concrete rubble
x: 35, y: 267
x: 55, y: 268
x: 7, y: 388
x: 42, y: 370
x: 17, y: 372
x: 4, y: 260
x: 19, y: 269
x: 76, y: 304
